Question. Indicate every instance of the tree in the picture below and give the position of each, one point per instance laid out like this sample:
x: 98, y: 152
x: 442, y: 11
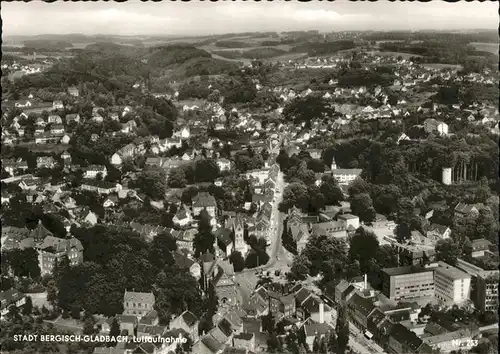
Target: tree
x: 364, y: 246
x: 177, y: 178
x: 206, y: 170
x: 273, y: 343
x: 403, y: 232
x: 283, y: 160
x: 301, y: 267
x: 153, y: 183
x: 28, y: 306
x: 342, y: 330
x: 362, y: 206
x: 332, y: 342
x: 237, y: 261
x: 52, y: 292
x: 305, y: 109
x: 332, y: 193
x: 358, y: 186
x: 88, y: 325
x: 114, y: 330
x: 204, y: 239
x: 447, y: 251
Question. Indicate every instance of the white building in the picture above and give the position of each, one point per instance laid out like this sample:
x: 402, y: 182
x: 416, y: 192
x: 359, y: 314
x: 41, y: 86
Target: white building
x: 346, y: 176
x: 435, y: 126
x: 452, y: 286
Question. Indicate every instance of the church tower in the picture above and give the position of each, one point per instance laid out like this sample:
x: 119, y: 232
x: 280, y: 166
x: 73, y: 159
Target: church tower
x: 239, y: 231
x: 333, y: 166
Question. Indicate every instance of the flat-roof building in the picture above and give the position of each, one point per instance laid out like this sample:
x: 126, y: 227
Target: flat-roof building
x: 409, y: 282
x: 452, y: 286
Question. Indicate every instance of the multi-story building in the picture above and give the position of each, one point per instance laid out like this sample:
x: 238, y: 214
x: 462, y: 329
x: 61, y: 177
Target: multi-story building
x: 346, y: 176
x: 452, y: 286
x: 204, y: 200
x: 435, y: 126
x: 137, y: 304
x: 409, y: 282
x: 53, y: 249
x: 484, y: 286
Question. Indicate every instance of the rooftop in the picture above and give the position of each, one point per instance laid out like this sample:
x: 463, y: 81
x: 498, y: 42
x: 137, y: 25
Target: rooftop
x: 405, y: 270
x: 451, y: 272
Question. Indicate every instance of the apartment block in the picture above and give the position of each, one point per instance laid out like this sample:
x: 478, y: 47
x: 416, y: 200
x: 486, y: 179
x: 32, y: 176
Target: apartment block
x: 484, y: 286
x: 401, y: 283
x: 452, y: 286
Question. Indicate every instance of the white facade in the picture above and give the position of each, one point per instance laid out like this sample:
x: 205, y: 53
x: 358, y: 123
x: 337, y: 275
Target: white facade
x: 446, y: 176
x: 452, y: 286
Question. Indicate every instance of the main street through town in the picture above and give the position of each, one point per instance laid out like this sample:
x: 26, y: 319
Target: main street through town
x: 280, y: 259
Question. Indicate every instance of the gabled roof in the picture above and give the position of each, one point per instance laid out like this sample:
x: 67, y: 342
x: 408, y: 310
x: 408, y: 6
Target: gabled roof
x: 363, y: 305
x: 189, y: 318
x: 182, y: 261
x: 9, y: 297
x: 203, y: 200
x: 224, y: 236
x: 406, y: 337
x: 302, y: 295
x: 132, y: 296
x: 313, y: 329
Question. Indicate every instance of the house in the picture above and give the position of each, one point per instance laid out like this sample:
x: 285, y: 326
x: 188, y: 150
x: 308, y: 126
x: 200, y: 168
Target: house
x: 11, y: 297
x: 188, y: 322
x: 57, y: 104
x: 45, y: 162
x: 54, y: 119
x: 93, y: 171
x: 346, y: 176
x: 446, y: 342
x: 463, y: 210
x: 300, y: 234
x: 75, y: 117
x: 479, y: 247
x: 404, y: 341
x: 73, y: 91
x: 204, y: 200
x: 349, y: 220
x: 23, y: 104
x: 336, y: 229
x: 438, y: 232
x: 137, y: 304
x: 65, y: 139
x: 224, y: 241
x: 183, y: 217
x: 184, y: 239
x: 146, y: 230
x: 435, y: 126
x: 185, y: 262
x: 359, y: 309
x: 125, y: 152
x: 53, y: 249
x: 313, y: 330
x: 244, y: 341
x: 127, y: 323
x: 224, y: 164
x: 90, y: 218
x: 101, y: 187
x: 110, y: 202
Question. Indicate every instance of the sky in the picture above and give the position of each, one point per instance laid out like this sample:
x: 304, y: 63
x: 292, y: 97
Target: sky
x: 205, y: 18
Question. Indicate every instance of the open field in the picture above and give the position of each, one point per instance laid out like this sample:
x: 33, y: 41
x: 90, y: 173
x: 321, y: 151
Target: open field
x: 286, y: 57
x: 486, y: 47
x: 52, y: 148
x: 395, y: 54
x: 442, y: 66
